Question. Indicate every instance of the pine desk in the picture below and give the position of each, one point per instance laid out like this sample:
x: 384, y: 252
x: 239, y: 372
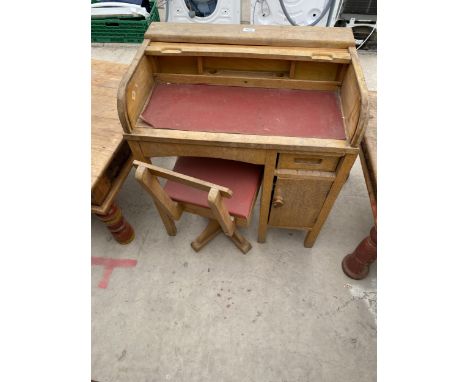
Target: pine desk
x: 292, y: 99
x: 111, y: 158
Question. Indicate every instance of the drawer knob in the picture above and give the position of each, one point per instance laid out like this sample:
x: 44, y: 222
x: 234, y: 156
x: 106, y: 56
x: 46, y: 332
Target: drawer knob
x: 278, y: 201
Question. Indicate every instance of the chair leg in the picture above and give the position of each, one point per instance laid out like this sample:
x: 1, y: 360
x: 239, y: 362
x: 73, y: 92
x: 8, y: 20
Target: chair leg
x: 241, y: 242
x: 212, y: 229
x: 168, y: 222
x: 208, y: 234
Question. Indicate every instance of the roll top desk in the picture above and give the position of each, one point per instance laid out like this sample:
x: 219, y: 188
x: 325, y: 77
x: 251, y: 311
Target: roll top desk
x: 292, y: 99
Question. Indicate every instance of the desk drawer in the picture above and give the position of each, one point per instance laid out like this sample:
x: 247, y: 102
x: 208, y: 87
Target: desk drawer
x: 308, y: 162
x: 109, y: 175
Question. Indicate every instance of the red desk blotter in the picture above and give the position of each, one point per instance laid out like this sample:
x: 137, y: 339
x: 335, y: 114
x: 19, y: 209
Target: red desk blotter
x: 242, y: 110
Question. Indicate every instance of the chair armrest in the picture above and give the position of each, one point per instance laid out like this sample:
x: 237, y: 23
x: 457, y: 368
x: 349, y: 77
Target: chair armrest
x: 215, y: 201
x: 151, y: 184
x: 184, y: 179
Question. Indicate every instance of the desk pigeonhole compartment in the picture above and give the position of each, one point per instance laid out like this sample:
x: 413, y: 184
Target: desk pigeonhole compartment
x: 294, y: 96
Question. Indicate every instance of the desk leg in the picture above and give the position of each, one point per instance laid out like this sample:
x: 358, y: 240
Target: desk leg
x: 268, y: 175
x: 122, y: 231
x: 137, y: 153
x: 341, y: 176
x: 356, y: 264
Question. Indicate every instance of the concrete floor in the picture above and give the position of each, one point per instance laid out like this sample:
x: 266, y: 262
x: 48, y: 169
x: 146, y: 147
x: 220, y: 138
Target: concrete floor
x: 281, y: 313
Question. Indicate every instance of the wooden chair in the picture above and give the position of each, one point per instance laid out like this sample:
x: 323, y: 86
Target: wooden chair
x: 226, y: 195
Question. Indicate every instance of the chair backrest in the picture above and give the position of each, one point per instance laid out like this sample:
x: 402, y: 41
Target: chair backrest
x: 147, y: 175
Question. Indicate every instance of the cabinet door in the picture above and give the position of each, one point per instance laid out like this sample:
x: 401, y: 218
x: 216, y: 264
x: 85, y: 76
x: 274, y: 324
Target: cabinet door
x: 296, y: 203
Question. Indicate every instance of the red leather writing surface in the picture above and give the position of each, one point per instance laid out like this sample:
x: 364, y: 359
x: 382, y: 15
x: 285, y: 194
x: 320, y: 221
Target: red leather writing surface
x: 243, y: 179
x: 257, y: 111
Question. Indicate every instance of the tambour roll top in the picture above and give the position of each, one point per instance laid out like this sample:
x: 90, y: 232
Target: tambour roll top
x: 266, y: 35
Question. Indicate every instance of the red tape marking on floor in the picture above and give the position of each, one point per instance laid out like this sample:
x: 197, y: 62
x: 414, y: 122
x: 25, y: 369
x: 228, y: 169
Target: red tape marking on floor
x: 109, y: 265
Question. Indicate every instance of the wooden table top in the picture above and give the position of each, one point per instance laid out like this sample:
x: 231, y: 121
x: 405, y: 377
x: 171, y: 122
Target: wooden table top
x: 106, y: 130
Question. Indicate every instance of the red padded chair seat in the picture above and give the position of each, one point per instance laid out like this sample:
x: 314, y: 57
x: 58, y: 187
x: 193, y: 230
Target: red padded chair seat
x: 243, y: 179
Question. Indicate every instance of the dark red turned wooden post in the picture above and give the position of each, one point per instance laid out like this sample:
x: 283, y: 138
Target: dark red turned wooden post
x: 117, y: 225
x: 356, y: 264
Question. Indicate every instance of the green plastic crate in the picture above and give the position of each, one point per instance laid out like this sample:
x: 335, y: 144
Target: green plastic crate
x: 114, y: 29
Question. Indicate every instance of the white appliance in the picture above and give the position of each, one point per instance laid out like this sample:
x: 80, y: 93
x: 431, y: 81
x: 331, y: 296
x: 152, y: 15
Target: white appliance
x: 112, y: 9
x: 302, y: 12
x: 204, y: 11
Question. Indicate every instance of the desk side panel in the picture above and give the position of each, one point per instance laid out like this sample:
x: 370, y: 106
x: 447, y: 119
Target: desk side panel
x: 135, y: 88
x: 354, y: 100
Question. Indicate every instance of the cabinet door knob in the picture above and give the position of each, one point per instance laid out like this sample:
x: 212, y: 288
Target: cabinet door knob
x: 278, y: 201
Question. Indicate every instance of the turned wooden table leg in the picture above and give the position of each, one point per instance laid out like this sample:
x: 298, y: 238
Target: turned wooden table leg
x: 117, y: 225
x: 356, y: 264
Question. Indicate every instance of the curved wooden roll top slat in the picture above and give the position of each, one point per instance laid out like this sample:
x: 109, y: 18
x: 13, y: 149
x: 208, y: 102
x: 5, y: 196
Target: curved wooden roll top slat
x: 269, y: 35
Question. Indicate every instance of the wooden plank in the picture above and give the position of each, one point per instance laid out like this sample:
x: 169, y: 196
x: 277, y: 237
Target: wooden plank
x: 105, y: 142
x: 236, y: 64
x: 262, y: 52
x: 247, y: 79
x: 106, y: 131
x: 271, y: 35
x: 103, y: 104
x: 255, y: 156
x: 106, y: 74
x: 290, y: 144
